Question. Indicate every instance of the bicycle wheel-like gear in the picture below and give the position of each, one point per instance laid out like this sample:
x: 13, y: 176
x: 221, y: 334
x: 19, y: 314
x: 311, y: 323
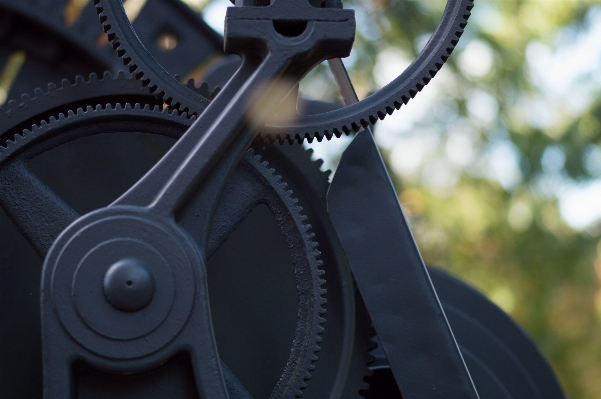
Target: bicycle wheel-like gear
x: 334, y: 123
x: 256, y: 179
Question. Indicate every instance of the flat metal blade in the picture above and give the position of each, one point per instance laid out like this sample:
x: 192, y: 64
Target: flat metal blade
x: 392, y: 278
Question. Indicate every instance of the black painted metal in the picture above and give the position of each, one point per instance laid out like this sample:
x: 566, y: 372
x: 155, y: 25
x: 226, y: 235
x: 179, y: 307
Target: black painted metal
x: 129, y: 285
x: 393, y: 279
x: 42, y: 216
x: 503, y: 360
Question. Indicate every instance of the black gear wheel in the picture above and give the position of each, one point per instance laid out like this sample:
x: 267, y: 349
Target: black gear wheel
x: 392, y: 96
x: 56, y: 99
x: 256, y: 182
x: 108, y: 89
x: 46, y: 104
x: 335, y: 123
x: 55, y: 50
x: 295, y: 163
x: 64, y: 132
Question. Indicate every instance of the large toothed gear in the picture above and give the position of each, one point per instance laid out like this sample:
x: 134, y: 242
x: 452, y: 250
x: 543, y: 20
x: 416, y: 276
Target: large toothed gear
x: 302, y: 175
x: 269, y: 189
x: 122, y: 88
x: 334, y: 123
x: 55, y: 99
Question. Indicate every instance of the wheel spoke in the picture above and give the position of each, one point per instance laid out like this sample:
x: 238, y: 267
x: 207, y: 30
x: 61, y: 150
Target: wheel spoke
x: 37, y: 211
x: 235, y: 205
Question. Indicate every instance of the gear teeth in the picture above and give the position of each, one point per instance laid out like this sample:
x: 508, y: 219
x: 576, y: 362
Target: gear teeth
x: 193, y: 106
x: 204, y: 89
x: 19, y: 139
x: 164, y: 88
x: 448, y: 33
x: 17, y: 116
x: 373, y: 345
x: 318, y: 296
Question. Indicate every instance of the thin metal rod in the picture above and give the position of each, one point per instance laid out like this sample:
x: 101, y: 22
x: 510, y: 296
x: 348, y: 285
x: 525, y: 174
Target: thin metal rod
x: 349, y: 96
x: 347, y: 91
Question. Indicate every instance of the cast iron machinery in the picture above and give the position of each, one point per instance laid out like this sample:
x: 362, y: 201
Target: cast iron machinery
x: 132, y: 199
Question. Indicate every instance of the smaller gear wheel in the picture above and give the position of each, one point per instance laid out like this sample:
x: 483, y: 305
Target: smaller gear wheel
x: 56, y: 99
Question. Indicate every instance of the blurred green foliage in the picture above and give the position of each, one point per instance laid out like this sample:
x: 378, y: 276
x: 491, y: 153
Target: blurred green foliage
x: 510, y: 126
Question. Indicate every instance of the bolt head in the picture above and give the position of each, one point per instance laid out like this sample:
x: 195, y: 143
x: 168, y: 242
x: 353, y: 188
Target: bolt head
x: 129, y: 285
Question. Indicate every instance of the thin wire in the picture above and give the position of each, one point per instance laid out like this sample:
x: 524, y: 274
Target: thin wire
x: 347, y: 91
x: 349, y: 95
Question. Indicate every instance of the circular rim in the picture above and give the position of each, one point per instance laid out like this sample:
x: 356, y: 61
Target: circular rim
x: 334, y: 123
x: 120, y: 337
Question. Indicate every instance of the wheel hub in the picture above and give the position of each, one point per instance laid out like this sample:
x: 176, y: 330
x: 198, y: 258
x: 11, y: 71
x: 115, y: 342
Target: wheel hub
x: 129, y: 285
x: 122, y: 283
